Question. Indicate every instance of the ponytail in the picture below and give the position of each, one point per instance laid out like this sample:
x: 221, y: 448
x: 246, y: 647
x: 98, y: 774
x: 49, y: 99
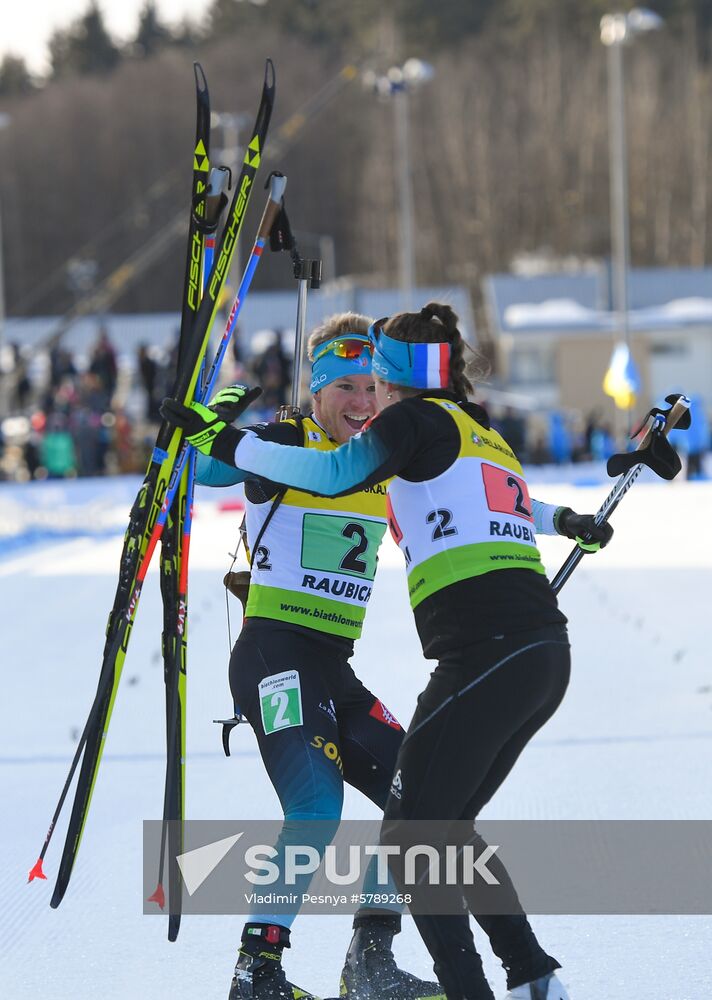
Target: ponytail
x: 436, y: 323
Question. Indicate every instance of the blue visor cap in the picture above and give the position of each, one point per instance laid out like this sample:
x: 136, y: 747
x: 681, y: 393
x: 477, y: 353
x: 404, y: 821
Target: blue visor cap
x: 349, y: 354
x: 418, y: 365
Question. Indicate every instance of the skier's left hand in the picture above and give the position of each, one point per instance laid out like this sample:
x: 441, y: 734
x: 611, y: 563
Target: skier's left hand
x: 205, y: 428
x: 232, y: 400
x: 583, y: 529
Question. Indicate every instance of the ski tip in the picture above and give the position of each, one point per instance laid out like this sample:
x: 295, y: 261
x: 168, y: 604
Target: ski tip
x: 158, y: 896
x: 270, y: 76
x: 200, y: 81
x: 36, y: 871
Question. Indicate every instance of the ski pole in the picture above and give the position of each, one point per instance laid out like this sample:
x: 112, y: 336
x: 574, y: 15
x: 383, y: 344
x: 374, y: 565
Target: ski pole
x: 655, y: 424
x: 36, y: 870
x: 309, y: 277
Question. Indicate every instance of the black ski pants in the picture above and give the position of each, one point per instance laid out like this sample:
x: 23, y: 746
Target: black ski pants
x: 483, y: 704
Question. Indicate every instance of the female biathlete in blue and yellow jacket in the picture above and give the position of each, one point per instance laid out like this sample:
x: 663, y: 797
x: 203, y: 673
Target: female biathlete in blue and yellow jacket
x: 459, y: 508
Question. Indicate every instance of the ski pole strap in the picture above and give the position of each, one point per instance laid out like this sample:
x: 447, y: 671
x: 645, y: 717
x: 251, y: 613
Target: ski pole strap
x: 587, y: 546
x: 215, y: 198
x: 280, y: 235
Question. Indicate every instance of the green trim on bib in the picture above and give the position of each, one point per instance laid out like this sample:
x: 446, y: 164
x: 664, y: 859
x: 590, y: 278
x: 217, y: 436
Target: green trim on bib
x: 307, y: 609
x: 465, y: 561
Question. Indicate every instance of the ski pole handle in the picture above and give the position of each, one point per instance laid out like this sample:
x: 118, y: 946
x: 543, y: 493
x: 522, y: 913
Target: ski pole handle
x: 678, y: 410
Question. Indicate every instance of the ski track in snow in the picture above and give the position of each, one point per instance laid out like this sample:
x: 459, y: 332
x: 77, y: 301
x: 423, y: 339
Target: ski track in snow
x: 632, y: 740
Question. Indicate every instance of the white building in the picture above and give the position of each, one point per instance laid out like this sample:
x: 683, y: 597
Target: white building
x: 555, y: 334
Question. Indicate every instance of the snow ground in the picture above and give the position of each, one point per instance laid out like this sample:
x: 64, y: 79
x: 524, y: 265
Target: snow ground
x: 633, y: 739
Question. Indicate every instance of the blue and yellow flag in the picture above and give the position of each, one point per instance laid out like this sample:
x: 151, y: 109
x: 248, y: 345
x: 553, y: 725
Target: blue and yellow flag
x: 622, y: 380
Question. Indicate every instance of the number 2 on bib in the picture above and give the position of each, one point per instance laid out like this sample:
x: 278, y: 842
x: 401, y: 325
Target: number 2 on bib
x: 506, y: 493
x: 351, y: 561
x: 441, y: 518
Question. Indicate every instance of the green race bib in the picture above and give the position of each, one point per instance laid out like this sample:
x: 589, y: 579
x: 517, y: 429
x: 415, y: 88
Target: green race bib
x: 345, y: 545
x: 281, y: 701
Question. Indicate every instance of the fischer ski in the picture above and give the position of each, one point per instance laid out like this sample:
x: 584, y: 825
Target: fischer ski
x: 206, y: 205
x: 144, y: 529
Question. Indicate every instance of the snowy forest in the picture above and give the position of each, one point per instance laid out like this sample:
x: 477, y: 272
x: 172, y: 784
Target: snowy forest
x: 509, y: 139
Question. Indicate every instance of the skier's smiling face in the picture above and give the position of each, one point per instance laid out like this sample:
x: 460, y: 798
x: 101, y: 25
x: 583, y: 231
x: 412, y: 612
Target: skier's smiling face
x: 342, y: 407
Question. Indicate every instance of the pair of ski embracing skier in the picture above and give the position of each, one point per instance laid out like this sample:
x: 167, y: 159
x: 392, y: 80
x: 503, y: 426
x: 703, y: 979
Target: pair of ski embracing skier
x: 460, y: 512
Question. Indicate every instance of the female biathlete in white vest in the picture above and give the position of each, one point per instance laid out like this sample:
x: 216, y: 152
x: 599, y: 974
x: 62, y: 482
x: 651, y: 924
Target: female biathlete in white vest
x: 317, y: 725
x: 460, y: 511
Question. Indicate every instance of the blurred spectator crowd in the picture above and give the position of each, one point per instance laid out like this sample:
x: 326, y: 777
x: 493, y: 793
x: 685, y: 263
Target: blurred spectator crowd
x: 556, y: 438
x: 97, y: 414
x: 553, y: 438
x: 67, y: 423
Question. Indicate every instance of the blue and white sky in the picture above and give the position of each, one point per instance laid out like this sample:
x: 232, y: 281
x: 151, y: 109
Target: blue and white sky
x: 27, y: 26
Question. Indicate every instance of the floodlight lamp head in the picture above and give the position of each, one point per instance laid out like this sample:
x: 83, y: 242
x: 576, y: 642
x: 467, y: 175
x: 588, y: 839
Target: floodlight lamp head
x: 395, y: 77
x: 369, y: 79
x: 640, y: 20
x: 621, y: 29
x: 614, y: 29
x: 416, y: 71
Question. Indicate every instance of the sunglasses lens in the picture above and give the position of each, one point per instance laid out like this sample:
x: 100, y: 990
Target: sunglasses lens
x: 351, y: 348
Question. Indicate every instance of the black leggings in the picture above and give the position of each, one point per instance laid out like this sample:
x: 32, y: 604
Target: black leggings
x: 483, y: 704
x: 345, y: 734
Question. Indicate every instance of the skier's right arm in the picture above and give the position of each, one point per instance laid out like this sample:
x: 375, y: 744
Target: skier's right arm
x: 211, y: 472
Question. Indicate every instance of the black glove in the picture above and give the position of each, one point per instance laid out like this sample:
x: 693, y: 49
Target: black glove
x: 583, y: 529
x: 205, y: 428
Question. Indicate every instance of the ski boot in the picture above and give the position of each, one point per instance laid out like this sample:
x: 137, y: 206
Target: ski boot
x: 259, y: 974
x: 549, y: 987
x: 370, y: 971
